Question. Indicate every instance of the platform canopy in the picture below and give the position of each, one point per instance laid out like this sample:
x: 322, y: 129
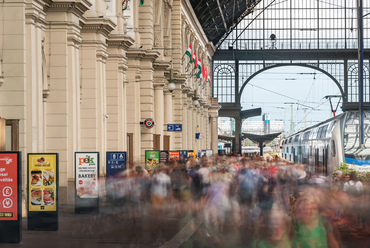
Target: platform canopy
x: 266, y: 138
x: 219, y: 17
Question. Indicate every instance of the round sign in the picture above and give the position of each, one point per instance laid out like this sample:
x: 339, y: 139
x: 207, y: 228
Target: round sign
x: 80, y: 182
x: 149, y: 123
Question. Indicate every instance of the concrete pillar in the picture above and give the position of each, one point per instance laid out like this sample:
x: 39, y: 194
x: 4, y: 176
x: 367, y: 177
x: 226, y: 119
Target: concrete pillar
x: 185, y: 123
x: 190, y: 134
x: 238, y: 130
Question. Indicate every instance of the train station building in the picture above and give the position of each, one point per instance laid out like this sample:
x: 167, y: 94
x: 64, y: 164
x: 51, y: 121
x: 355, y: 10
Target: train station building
x: 83, y: 75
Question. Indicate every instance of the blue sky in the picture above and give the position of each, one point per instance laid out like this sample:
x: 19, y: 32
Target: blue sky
x: 276, y: 89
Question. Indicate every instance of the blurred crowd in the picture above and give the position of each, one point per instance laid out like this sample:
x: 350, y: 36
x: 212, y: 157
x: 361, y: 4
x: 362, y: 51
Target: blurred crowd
x: 245, y: 201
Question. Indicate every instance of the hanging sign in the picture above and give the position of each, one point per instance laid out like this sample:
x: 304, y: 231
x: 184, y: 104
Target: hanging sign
x: 10, y: 197
x: 149, y: 123
x: 151, y: 159
x: 87, y: 182
x: 43, y: 188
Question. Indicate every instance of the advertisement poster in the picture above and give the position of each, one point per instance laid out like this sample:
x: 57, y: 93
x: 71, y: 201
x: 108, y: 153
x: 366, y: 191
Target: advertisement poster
x: 42, y: 182
x: 8, y: 186
x: 173, y: 155
x: 86, y: 165
x: 191, y: 153
x: 151, y: 159
x: 163, y: 157
x: 116, y: 163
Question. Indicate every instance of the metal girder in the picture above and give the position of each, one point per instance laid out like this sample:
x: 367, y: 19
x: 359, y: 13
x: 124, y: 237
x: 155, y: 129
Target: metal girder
x: 244, y: 114
x: 289, y: 54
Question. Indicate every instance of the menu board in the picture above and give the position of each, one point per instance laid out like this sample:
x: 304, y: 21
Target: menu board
x: 42, y: 182
x: 86, y: 165
x: 116, y: 163
x: 151, y: 159
x: 8, y: 186
x: 173, y: 155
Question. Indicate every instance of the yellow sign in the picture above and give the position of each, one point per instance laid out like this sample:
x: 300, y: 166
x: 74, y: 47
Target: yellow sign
x: 42, y: 189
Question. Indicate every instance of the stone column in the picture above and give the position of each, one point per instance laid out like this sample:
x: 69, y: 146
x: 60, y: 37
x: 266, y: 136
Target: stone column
x: 94, y: 116
x: 168, y: 106
x: 63, y: 106
x: 116, y: 92
x: 191, y: 133
x: 213, y: 113
x: 177, y: 115
x: 185, y: 122
x: 133, y: 99
x: 147, y: 100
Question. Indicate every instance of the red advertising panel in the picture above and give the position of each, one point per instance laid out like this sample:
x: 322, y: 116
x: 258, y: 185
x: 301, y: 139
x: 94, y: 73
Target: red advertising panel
x: 173, y: 155
x: 8, y: 186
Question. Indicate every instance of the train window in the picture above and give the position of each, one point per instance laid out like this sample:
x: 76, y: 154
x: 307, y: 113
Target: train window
x: 296, y: 138
x: 333, y: 151
x: 290, y: 140
x: 306, y: 135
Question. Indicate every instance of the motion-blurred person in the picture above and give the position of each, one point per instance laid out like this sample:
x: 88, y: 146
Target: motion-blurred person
x: 273, y: 231
x: 338, y: 180
x: 353, y: 187
x: 311, y: 230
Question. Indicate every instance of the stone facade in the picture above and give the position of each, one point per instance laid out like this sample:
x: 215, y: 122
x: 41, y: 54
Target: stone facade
x: 80, y: 75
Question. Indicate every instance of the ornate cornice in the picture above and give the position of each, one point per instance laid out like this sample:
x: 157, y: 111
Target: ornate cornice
x: 120, y: 41
x: 162, y: 66
x: 135, y: 53
x: 98, y: 25
x: 78, y: 7
x: 151, y: 55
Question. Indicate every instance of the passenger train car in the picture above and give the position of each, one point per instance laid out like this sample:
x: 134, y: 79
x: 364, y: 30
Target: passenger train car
x: 325, y: 146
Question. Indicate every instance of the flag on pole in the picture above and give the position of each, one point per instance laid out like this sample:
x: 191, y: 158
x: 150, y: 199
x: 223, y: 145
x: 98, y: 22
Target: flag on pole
x: 200, y: 72
x: 188, y: 52
x: 195, y: 61
x: 209, y: 79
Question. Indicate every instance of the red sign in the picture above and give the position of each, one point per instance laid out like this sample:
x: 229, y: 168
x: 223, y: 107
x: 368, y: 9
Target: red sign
x: 173, y: 155
x: 149, y: 123
x: 8, y: 186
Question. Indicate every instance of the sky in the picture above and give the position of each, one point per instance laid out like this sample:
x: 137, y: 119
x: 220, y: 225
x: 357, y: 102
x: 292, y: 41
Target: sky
x: 275, y: 90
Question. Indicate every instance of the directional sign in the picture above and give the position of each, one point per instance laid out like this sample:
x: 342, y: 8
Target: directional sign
x: 174, y: 127
x: 170, y: 127
x: 178, y: 127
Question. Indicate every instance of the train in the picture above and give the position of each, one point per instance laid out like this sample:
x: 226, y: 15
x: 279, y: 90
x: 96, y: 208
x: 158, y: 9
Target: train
x: 323, y: 147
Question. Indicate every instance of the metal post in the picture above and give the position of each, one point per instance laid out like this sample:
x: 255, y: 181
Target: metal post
x: 360, y: 69
x: 305, y: 117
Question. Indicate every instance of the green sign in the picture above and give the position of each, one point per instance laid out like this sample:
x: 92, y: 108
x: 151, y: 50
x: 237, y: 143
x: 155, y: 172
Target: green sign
x: 151, y: 159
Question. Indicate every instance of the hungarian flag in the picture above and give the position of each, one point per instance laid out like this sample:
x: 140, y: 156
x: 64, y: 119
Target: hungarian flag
x: 195, y: 61
x: 194, y: 57
x: 200, y: 67
x: 188, y: 52
x: 209, y: 79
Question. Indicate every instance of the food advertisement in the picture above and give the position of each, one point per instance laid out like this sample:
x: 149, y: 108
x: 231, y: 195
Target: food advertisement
x: 86, y: 165
x: 42, y: 172
x: 116, y: 163
x: 173, y: 155
x: 151, y: 159
x: 8, y: 186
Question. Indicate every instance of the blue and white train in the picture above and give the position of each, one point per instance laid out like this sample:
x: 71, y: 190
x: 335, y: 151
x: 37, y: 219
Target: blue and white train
x: 325, y: 146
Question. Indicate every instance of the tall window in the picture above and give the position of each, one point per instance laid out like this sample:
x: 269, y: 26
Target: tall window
x: 224, y: 83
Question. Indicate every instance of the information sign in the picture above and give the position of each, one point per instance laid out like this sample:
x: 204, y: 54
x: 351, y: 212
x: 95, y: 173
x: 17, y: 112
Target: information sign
x: 163, y: 157
x: 116, y: 163
x: 183, y: 156
x: 151, y: 159
x: 191, y: 153
x: 174, y: 127
x: 43, y: 192
x: 10, y: 197
x: 87, y: 182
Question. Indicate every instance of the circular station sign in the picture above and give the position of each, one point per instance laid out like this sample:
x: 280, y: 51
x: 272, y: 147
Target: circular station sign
x: 149, y: 123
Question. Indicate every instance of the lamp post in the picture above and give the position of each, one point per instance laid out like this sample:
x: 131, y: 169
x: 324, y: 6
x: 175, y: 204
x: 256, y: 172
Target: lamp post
x: 360, y: 68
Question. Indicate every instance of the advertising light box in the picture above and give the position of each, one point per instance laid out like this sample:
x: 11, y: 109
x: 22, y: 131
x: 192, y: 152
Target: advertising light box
x: 87, y: 175
x: 10, y: 197
x: 42, y: 182
x: 151, y: 159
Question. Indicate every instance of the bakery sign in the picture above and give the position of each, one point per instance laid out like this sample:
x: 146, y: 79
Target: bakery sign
x: 86, y: 164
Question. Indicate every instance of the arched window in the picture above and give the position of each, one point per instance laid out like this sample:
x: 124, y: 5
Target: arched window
x: 224, y: 83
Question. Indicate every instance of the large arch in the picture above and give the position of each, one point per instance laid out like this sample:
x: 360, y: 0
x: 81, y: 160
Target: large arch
x: 292, y: 64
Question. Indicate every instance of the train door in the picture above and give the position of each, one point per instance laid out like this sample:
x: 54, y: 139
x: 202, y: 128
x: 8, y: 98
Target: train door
x: 317, y: 161
x: 325, y: 162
